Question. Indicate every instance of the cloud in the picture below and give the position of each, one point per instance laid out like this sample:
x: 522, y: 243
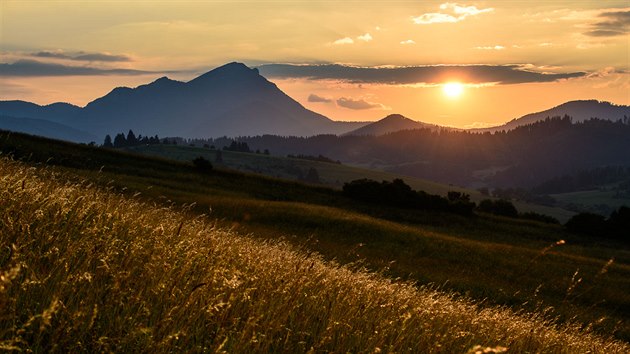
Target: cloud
x: 616, y: 23
x: 452, y: 12
x: 345, y: 40
x: 496, y: 47
x: 25, y: 68
x: 315, y: 98
x: 413, y: 75
x: 359, y: 104
x: 82, y: 56
x: 365, y: 37
x: 429, y: 18
x: 408, y: 41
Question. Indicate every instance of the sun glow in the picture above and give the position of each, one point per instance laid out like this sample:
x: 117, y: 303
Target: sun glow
x: 453, y: 89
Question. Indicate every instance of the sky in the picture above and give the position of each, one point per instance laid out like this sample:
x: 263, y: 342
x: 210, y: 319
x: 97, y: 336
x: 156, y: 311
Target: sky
x: 463, y: 64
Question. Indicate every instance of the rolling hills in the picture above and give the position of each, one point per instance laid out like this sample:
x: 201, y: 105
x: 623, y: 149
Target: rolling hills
x: 518, y: 263
x: 92, y: 270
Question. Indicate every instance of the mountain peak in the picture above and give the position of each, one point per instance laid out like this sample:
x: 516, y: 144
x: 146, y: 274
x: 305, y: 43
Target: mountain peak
x: 233, y: 71
x: 395, y: 117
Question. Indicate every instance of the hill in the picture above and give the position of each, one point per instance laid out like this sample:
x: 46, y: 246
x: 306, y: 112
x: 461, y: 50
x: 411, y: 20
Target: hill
x: 391, y: 123
x: 523, y: 157
x: 497, y: 260
x: 93, y: 270
x: 579, y: 111
x: 46, y: 128
x: 330, y: 174
x: 62, y: 113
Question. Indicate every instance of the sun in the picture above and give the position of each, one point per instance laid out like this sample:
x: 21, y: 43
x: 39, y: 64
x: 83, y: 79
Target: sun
x: 453, y: 89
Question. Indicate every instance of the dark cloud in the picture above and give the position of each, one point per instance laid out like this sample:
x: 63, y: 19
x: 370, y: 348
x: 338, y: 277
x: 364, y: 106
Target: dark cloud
x: 613, y: 24
x: 357, y: 104
x: 82, y: 56
x: 315, y: 98
x: 36, y: 68
x: 409, y: 75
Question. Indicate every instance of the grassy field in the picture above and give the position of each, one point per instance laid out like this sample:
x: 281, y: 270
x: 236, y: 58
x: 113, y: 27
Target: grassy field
x: 595, y: 200
x: 332, y: 175
x: 86, y: 269
x: 492, y: 260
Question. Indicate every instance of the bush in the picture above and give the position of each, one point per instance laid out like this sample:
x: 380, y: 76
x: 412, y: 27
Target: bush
x: 498, y: 207
x: 588, y: 224
x: 202, y: 164
x: 539, y: 217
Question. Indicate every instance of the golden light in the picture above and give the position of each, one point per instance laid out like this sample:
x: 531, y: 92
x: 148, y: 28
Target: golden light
x: 453, y: 89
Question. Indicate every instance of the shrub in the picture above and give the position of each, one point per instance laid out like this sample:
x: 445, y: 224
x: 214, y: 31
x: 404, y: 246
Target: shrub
x: 202, y: 164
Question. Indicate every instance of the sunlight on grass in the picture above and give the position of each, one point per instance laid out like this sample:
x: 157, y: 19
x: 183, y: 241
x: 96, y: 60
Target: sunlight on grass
x: 86, y: 269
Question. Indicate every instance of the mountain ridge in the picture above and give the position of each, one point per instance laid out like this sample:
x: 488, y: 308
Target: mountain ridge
x: 390, y: 124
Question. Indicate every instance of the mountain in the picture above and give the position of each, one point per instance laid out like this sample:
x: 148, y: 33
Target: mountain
x: 231, y: 100
x: 45, y: 128
x: 580, y: 111
x: 391, y: 123
x: 56, y: 112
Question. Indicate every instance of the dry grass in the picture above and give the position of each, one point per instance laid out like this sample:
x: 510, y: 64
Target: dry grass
x: 84, y: 269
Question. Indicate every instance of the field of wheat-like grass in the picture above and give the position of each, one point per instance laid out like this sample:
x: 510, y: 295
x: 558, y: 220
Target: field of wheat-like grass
x: 85, y: 269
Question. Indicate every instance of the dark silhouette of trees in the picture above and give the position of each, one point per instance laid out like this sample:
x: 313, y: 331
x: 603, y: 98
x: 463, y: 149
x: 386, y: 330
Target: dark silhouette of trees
x: 587, y: 224
x: 619, y: 223
x: 498, y: 207
x: 131, y: 138
x: 108, y: 142
x: 617, y: 226
x: 238, y: 147
x: 120, y: 140
x: 398, y: 194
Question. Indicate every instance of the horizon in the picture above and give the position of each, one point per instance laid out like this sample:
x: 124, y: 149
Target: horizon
x: 446, y: 63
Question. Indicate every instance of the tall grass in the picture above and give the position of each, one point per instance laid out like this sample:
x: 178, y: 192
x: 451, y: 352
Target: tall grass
x: 84, y: 269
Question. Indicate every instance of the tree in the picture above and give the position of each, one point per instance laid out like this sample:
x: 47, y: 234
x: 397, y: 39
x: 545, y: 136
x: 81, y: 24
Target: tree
x: 131, y: 138
x: 587, y: 223
x: 498, y: 207
x: 120, y: 141
x: 108, y: 142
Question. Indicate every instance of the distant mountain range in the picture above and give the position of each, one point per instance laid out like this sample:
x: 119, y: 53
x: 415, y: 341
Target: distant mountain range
x: 579, y: 111
x: 231, y: 100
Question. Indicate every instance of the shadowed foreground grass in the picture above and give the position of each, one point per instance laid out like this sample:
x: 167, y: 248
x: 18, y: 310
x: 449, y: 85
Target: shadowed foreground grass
x: 85, y: 269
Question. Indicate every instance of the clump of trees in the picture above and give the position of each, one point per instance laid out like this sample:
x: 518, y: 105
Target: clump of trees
x: 398, y: 194
x: 238, y: 146
x: 500, y: 207
x: 616, y: 226
x: 320, y: 158
x: 130, y: 140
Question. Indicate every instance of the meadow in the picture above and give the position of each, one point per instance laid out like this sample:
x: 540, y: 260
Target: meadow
x: 537, y: 272
x: 330, y: 174
x: 86, y: 269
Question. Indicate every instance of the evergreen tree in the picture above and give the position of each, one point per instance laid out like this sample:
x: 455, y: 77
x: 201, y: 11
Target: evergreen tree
x: 108, y: 141
x: 120, y: 141
x: 131, y: 138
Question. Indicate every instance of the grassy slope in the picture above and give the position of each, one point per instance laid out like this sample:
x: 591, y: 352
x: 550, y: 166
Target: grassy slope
x: 505, y: 261
x: 333, y: 175
x: 87, y: 270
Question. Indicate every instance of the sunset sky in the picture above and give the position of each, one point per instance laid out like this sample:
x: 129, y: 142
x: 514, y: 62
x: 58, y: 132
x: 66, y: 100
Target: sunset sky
x: 350, y: 60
